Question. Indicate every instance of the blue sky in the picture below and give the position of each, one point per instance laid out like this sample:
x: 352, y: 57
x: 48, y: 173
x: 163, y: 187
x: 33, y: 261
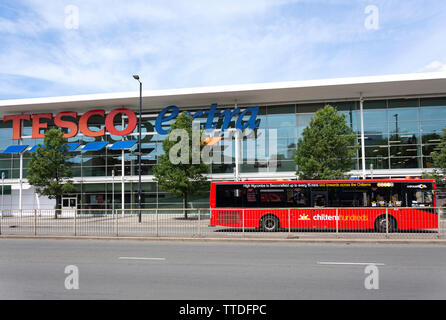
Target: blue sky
x: 46, y: 49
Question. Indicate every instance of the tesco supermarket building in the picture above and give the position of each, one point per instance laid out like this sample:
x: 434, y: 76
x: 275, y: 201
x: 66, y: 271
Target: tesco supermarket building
x: 398, y: 120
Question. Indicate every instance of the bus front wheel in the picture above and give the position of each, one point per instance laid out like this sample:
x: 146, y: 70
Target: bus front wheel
x: 269, y: 223
x: 381, y: 224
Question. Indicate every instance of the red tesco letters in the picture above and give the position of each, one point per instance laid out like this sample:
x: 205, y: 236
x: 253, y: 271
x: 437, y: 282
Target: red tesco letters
x: 61, y: 121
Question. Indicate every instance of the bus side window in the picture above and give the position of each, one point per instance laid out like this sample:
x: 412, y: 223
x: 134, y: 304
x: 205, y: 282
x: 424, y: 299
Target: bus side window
x: 300, y: 198
x: 420, y: 198
x: 380, y: 197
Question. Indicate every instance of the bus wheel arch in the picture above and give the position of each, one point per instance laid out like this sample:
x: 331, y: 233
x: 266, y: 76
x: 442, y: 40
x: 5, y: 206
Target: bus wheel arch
x: 269, y: 223
x: 380, y: 223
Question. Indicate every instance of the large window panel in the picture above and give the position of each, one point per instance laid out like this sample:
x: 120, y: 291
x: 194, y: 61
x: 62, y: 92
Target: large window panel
x: 222, y: 168
x: 374, y: 104
x: 281, y: 166
x: 375, y: 140
x: 253, y: 167
x: 429, y: 148
x: 435, y: 126
x: 283, y: 115
x: 375, y: 128
x: 405, y: 163
x: 404, y: 114
x: 405, y: 151
x: 285, y: 154
x: 403, y: 103
x: 377, y: 152
x: 433, y: 113
x: 431, y: 138
x: 433, y: 102
x: 285, y: 132
x: 400, y: 139
x: 353, y: 119
x: 375, y: 115
x: 310, y: 107
x: 399, y: 127
x: 428, y: 162
x: 378, y: 163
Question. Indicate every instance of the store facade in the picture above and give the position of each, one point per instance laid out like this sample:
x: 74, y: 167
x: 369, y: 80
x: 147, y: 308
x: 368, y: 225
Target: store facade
x: 402, y: 121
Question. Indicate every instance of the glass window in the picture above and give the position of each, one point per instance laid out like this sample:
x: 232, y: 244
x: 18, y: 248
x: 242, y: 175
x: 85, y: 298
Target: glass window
x: 375, y: 128
x: 403, y: 138
x: 375, y: 104
x: 380, y: 162
x: 410, y: 114
x: 282, y: 115
x: 403, y: 103
x: 380, y: 197
x: 419, y: 198
x: 376, y: 151
x: 286, y: 143
x: 433, y: 102
x: 404, y: 163
x: 262, y: 117
x: 429, y: 148
x: 309, y: 108
x: 404, y: 127
x: 304, y: 119
x: 284, y: 132
x: 376, y: 140
x: 433, y: 113
x: 405, y: 150
x: 433, y: 126
x: 428, y: 162
x: 379, y: 116
x: 281, y: 166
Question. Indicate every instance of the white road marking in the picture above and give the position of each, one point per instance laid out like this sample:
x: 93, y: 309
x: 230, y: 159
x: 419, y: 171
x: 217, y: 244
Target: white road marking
x: 353, y: 263
x: 141, y: 258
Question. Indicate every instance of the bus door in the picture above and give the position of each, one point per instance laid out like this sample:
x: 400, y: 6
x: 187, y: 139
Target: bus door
x: 69, y: 206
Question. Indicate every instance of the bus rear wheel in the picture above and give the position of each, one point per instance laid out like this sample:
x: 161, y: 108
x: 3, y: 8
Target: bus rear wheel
x: 269, y: 223
x: 381, y: 224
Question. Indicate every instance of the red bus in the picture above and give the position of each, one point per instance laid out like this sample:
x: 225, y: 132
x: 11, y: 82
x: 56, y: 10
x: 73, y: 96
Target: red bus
x: 334, y: 204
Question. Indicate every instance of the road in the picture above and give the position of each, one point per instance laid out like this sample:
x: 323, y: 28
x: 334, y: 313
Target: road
x: 124, y: 269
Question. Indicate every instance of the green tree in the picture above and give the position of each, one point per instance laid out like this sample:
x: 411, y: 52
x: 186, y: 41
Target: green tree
x: 327, y: 147
x: 439, y: 163
x: 186, y: 178
x: 48, y: 169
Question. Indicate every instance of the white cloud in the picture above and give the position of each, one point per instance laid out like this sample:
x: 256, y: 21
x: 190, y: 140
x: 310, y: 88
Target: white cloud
x: 434, y: 66
x: 175, y: 44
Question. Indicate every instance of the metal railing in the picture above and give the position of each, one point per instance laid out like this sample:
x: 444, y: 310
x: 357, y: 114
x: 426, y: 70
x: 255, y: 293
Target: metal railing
x: 376, y: 223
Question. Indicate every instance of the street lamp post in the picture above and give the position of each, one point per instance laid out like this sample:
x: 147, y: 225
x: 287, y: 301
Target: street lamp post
x: 136, y: 77
x: 113, y: 193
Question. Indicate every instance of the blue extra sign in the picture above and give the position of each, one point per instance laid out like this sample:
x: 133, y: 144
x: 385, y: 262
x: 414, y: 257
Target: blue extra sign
x: 171, y: 112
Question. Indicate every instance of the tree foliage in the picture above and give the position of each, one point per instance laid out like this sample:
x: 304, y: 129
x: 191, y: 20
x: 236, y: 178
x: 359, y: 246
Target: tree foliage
x: 327, y: 147
x: 48, y: 169
x: 183, y: 179
x: 439, y: 163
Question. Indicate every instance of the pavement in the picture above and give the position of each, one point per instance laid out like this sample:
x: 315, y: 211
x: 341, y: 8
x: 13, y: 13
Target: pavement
x: 108, y: 227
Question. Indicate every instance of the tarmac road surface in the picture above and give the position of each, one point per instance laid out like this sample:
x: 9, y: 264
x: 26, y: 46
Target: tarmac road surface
x: 128, y: 269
